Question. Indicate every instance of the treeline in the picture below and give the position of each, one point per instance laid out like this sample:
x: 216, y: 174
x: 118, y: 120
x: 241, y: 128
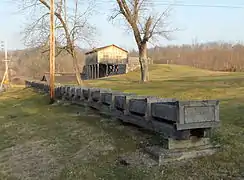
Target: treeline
x: 34, y: 62
x: 213, y: 56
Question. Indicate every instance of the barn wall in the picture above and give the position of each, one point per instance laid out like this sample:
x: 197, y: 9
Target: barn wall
x: 112, y: 55
x: 91, y: 58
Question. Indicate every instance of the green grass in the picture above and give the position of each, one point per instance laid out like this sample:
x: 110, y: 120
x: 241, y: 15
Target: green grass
x: 178, y: 81
x: 41, y: 141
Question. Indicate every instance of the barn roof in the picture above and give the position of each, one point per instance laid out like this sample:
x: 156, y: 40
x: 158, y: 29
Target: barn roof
x: 100, y: 48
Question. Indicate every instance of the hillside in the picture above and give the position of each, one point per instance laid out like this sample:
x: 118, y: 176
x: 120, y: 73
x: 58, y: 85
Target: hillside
x: 64, y: 145
x: 183, y: 82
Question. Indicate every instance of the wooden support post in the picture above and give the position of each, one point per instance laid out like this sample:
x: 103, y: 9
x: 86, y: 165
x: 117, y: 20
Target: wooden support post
x: 95, y: 71
x: 98, y: 76
x: 92, y: 71
x: 93, y: 74
x: 88, y: 73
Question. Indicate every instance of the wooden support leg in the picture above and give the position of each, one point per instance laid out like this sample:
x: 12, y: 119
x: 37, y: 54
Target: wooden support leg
x: 88, y: 72
x: 92, y: 71
x: 106, y: 69
x: 98, y: 76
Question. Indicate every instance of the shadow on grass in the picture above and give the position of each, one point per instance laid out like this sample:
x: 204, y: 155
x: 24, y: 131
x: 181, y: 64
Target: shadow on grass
x: 88, y: 133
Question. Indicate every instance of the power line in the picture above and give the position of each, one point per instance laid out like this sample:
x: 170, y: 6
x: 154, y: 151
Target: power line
x: 203, y: 5
x: 167, y: 3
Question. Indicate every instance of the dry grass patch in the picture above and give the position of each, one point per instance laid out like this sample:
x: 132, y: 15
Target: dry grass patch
x: 88, y: 146
x: 31, y: 160
x: 40, y: 141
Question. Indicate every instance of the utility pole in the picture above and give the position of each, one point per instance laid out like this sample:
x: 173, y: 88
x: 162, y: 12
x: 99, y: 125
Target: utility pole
x: 52, y: 52
x: 6, y: 62
x: 5, y: 79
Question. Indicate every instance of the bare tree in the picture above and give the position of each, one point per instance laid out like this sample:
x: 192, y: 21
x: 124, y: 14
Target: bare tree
x: 146, y: 27
x: 71, y: 25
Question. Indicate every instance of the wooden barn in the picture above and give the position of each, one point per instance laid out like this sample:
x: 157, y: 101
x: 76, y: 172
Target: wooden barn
x: 105, y: 61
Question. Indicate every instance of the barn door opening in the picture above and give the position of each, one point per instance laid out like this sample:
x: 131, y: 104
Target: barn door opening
x: 102, y: 70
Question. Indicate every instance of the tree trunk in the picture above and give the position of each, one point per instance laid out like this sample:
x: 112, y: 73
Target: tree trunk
x: 78, y: 78
x: 143, y: 62
x: 76, y: 68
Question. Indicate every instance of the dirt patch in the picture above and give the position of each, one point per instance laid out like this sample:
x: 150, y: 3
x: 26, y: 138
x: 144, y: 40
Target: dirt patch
x: 31, y: 160
x: 93, y: 150
x: 7, y: 124
x: 137, y: 158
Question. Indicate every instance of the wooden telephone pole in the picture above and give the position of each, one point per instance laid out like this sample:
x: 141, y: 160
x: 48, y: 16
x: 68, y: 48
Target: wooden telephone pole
x: 52, y: 52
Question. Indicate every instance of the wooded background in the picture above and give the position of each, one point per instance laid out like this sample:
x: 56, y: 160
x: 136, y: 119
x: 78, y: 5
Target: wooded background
x: 214, y: 56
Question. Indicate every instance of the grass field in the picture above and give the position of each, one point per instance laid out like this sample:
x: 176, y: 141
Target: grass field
x: 41, y: 141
